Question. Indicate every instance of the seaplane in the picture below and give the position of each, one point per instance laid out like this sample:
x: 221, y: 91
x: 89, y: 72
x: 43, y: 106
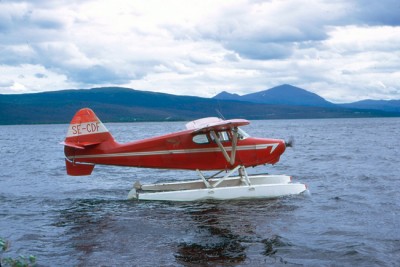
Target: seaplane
x: 208, y: 144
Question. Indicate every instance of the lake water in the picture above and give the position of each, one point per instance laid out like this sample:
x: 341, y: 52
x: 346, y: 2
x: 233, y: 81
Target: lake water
x: 350, y: 218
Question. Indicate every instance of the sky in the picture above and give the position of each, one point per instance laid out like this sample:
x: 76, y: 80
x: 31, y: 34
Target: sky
x: 343, y: 50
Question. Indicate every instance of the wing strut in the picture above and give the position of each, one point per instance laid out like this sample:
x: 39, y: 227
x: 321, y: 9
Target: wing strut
x: 218, y: 141
x: 230, y: 159
x: 234, y: 145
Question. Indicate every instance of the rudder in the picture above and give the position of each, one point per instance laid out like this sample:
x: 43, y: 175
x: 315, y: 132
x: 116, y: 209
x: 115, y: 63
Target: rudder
x: 84, y: 131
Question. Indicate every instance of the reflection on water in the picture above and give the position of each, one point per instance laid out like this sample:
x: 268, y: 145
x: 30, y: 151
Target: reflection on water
x: 86, y: 221
x: 215, y: 242
x: 225, y: 233
x: 200, y: 234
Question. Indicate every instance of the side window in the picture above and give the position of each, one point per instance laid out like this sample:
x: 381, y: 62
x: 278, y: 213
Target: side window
x: 200, y: 139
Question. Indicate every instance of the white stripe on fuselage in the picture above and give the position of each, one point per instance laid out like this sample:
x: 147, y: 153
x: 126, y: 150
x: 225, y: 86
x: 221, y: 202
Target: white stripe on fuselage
x: 179, y: 151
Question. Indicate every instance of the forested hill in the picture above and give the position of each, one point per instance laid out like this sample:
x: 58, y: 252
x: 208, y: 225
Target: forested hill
x: 115, y: 104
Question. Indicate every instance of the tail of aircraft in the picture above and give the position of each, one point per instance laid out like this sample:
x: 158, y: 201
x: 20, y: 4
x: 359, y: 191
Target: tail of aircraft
x: 84, y: 132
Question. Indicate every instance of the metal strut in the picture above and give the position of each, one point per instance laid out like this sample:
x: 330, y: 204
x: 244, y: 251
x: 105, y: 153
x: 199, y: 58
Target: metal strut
x: 240, y: 168
x: 208, y: 185
x: 243, y: 172
x: 230, y: 159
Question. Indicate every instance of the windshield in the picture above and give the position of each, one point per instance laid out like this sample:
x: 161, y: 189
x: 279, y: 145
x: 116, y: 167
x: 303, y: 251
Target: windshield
x: 242, y: 134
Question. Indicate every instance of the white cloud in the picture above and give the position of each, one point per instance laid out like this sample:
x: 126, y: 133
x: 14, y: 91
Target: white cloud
x: 338, y: 49
x: 30, y: 78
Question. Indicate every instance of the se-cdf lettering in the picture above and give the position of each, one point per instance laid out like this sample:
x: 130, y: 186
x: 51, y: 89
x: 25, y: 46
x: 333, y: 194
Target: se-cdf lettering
x: 91, y: 127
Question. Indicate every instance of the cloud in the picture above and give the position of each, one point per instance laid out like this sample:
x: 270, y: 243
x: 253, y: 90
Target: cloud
x: 259, y: 50
x: 268, y: 30
x: 339, y: 49
x: 377, y: 12
x: 16, y: 54
x: 31, y: 78
x: 97, y: 75
x: 23, y: 22
x: 40, y: 75
x: 6, y: 83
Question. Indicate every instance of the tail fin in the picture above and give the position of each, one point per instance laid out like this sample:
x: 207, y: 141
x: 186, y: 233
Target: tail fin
x: 84, y: 131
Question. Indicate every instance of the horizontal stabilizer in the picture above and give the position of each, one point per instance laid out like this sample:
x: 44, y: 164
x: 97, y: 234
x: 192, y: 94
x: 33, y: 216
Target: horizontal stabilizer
x: 80, y: 145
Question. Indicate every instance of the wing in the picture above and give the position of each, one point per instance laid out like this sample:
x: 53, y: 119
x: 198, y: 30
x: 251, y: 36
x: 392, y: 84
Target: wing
x: 214, y: 124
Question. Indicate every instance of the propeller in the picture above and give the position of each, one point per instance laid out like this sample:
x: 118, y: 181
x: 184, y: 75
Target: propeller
x: 290, y: 142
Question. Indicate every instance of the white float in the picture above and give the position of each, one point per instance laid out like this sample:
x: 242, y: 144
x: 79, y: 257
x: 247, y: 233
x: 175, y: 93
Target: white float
x: 225, y: 188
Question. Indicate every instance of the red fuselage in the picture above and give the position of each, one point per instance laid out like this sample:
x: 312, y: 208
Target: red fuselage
x: 180, y: 150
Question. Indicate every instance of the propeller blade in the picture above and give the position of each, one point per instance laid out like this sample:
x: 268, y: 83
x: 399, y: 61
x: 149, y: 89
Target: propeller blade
x: 290, y: 142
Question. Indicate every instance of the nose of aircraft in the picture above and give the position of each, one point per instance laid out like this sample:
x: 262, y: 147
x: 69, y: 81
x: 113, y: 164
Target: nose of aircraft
x: 282, y: 146
x: 279, y: 146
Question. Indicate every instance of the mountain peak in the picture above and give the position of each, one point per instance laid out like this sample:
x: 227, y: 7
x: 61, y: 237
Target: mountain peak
x: 224, y: 95
x: 284, y: 94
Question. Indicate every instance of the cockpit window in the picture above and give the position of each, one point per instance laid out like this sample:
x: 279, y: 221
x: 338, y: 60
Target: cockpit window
x: 223, y: 136
x: 200, y: 139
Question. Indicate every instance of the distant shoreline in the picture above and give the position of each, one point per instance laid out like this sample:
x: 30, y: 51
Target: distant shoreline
x: 128, y: 105
x: 155, y: 121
